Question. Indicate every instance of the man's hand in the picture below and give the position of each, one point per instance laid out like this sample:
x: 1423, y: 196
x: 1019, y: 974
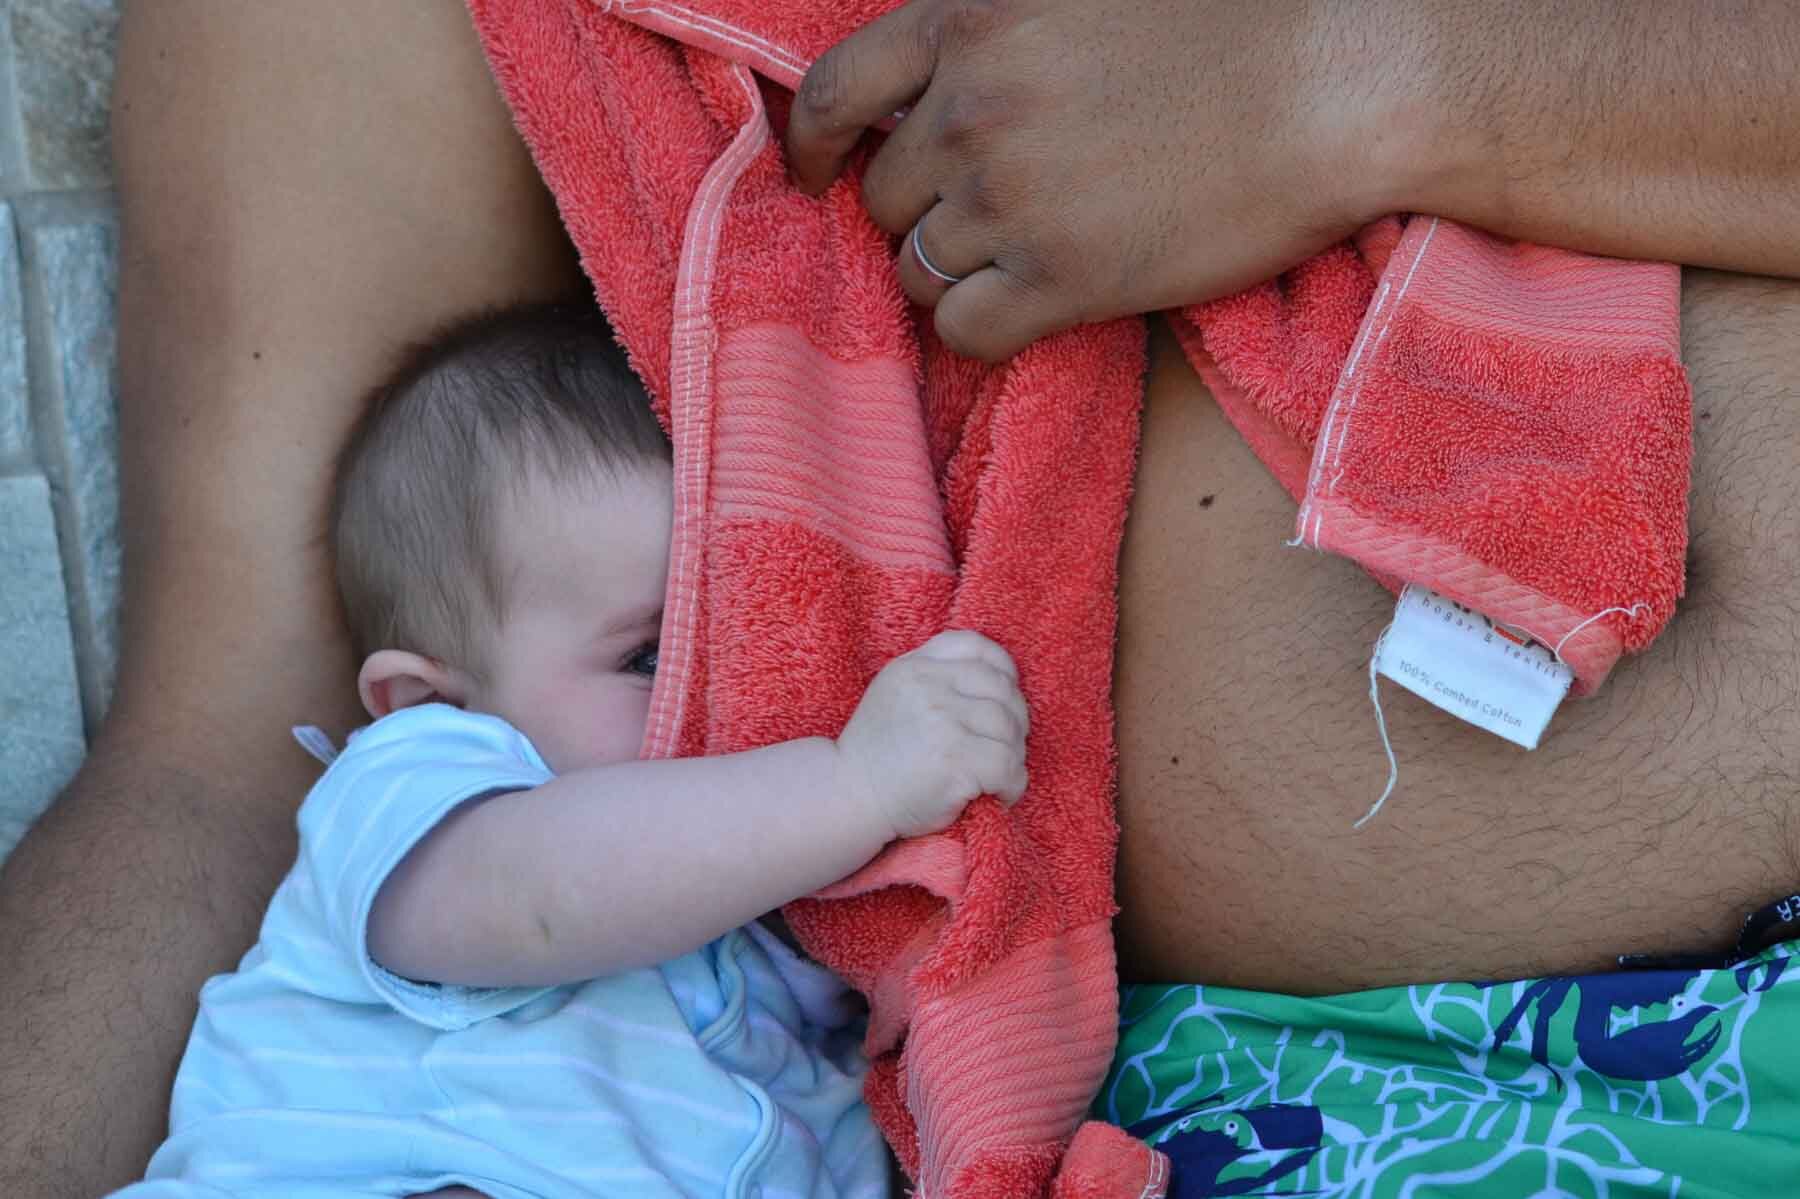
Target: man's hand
x: 937, y: 727
x: 1067, y: 161
x: 1077, y: 162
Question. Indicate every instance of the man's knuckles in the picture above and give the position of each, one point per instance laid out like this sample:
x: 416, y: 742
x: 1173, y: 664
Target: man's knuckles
x: 957, y: 24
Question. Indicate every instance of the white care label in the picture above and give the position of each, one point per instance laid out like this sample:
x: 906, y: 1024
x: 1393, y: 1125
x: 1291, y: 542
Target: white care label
x: 1472, y: 668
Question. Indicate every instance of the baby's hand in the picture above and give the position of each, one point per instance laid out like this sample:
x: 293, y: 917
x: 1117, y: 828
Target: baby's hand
x: 937, y: 727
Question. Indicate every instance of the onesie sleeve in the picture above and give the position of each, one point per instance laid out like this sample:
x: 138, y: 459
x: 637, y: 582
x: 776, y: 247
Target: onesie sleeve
x: 393, y: 784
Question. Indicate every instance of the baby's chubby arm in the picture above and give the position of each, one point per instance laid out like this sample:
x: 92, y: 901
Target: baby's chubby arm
x: 614, y: 867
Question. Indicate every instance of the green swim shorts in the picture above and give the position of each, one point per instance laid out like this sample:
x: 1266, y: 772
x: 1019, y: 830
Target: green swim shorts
x: 1665, y: 1081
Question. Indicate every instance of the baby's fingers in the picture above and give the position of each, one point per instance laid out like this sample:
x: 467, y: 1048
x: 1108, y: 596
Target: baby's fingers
x: 979, y: 682
x: 959, y: 645
x: 992, y: 719
x: 998, y: 767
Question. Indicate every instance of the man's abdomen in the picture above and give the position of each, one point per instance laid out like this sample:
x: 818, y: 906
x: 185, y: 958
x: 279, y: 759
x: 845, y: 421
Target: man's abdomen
x: 1651, y: 819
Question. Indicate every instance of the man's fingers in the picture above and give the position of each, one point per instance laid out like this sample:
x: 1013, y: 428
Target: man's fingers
x: 863, y: 79
x: 993, y: 314
x: 901, y: 180
x: 941, y: 244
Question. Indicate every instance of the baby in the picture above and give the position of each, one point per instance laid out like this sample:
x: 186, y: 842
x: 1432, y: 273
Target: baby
x: 511, y: 956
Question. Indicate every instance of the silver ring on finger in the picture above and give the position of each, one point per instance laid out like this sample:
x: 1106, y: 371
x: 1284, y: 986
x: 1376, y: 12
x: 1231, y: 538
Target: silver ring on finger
x: 931, y: 268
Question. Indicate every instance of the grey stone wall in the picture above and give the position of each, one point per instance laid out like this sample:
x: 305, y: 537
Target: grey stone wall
x: 59, y: 498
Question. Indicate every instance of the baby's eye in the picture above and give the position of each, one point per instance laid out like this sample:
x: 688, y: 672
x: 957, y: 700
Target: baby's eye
x: 642, y: 660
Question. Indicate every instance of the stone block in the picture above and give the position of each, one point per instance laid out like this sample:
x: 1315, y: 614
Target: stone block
x: 15, y: 423
x: 40, y: 704
x: 62, y: 52
x: 72, y: 256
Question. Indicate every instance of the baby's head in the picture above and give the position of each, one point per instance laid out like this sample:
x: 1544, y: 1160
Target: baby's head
x: 501, y: 528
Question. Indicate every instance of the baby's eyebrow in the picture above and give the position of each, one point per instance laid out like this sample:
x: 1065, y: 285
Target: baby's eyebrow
x: 634, y: 621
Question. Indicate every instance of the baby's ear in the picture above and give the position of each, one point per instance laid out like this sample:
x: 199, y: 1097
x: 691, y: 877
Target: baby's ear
x: 392, y: 679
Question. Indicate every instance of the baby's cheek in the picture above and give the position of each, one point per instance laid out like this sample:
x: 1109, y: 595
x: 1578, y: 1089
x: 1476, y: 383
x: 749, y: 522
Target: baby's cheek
x: 632, y: 719
x: 605, y: 723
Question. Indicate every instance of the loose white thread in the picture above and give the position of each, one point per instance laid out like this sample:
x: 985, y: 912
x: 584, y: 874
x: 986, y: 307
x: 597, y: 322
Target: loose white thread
x: 1381, y: 724
x: 1387, y: 744
x: 1631, y: 611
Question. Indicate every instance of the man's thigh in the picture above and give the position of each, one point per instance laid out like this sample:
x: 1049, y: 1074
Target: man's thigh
x: 304, y: 188
x: 1652, y: 818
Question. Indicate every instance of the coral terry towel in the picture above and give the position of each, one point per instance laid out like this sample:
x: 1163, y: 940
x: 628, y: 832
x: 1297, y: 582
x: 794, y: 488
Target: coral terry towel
x: 1506, y: 424
x: 845, y: 489
x: 843, y: 493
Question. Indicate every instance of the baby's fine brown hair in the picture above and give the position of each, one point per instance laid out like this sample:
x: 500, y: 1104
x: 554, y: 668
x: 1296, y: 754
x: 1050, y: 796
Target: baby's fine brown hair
x: 491, y: 401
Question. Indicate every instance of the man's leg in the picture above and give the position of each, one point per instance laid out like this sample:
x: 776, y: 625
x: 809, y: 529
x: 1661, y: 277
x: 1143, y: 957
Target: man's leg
x: 304, y: 188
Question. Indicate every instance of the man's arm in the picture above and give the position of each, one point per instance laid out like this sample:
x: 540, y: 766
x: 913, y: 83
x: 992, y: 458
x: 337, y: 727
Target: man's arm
x: 303, y: 189
x: 1653, y: 129
x: 1075, y: 164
